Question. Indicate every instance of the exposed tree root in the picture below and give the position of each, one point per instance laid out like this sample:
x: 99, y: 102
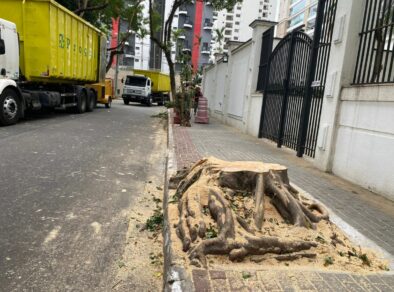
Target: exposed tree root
x: 211, y: 222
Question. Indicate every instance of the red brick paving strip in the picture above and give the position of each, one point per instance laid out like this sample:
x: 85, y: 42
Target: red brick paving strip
x: 185, y: 151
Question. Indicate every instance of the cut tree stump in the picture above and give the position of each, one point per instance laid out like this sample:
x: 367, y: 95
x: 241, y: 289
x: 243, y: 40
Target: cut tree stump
x: 212, y: 222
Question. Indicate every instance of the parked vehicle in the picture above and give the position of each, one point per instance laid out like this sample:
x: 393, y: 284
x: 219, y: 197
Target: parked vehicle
x: 146, y: 87
x: 49, y: 58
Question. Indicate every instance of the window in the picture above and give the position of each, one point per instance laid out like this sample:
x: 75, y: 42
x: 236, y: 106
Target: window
x: 229, y: 17
x: 297, y: 8
x: 238, y: 15
x: 235, y: 38
x: 313, y: 11
x: 237, y: 23
x: 296, y: 20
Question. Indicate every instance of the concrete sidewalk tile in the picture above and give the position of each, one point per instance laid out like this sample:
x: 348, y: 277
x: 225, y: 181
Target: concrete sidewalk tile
x: 269, y: 280
x: 237, y: 282
x: 201, y: 281
x: 303, y: 283
x: 388, y: 280
x: 333, y: 281
x: 284, y: 280
x: 364, y: 283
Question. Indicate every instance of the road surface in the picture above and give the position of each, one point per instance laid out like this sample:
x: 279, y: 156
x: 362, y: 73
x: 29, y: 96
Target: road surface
x: 66, y: 183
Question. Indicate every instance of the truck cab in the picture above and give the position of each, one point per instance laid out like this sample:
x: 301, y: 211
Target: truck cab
x: 9, y: 51
x: 137, y: 88
x: 11, y: 105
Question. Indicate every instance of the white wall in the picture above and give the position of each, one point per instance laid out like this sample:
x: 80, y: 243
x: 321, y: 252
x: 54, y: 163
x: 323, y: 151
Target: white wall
x: 230, y: 87
x: 237, y: 82
x: 364, y: 148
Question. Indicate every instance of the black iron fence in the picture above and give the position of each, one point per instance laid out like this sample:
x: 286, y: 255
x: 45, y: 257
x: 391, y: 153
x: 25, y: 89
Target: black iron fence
x: 375, y: 54
x: 266, y: 49
x: 294, y: 80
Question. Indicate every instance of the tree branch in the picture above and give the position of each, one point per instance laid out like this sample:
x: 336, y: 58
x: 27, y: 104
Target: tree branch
x: 82, y: 10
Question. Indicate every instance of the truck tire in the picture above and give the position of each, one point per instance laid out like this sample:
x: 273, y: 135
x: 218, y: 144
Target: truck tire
x: 126, y: 101
x: 109, y: 103
x: 91, y: 104
x: 81, y: 101
x: 149, y: 101
x: 10, y: 107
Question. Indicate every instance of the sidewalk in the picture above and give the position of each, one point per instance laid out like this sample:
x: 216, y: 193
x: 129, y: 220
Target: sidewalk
x: 370, y: 214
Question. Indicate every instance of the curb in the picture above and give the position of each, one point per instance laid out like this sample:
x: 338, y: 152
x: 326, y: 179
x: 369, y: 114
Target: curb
x: 175, y: 277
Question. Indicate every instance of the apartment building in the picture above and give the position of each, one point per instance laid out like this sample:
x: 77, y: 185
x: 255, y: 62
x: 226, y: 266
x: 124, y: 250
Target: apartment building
x: 294, y: 13
x: 234, y: 24
x: 195, y: 22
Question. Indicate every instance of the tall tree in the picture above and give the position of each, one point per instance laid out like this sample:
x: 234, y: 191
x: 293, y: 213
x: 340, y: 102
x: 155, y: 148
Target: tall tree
x: 166, y: 43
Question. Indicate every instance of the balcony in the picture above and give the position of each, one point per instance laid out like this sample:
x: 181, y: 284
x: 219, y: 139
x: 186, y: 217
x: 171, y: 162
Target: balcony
x: 188, y: 24
x: 186, y: 50
x: 208, y: 25
x: 206, y: 50
x: 182, y: 11
x: 181, y: 37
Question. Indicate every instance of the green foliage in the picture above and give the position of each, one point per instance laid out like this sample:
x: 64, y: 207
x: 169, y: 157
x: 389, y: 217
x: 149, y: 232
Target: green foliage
x: 211, y: 232
x: 365, y: 259
x: 320, y: 239
x: 155, y: 222
x: 328, y: 261
x: 246, y: 275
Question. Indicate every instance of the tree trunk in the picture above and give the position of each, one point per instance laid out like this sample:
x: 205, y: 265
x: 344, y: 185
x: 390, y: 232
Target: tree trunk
x: 172, y: 74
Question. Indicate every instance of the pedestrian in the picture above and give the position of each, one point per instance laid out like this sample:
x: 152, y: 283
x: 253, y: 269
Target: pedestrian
x: 197, y: 96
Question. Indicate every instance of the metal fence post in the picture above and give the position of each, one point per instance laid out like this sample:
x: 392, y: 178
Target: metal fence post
x: 306, y: 105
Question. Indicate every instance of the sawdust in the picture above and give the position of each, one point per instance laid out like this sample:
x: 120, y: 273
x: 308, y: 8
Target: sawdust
x: 141, y: 265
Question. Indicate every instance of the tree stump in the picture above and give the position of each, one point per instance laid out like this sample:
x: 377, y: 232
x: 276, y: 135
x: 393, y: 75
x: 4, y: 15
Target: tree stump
x: 211, y: 221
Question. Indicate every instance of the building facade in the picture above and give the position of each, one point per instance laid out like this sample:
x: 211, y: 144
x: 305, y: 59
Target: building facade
x: 195, y: 24
x: 234, y: 25
x: 295, y: 13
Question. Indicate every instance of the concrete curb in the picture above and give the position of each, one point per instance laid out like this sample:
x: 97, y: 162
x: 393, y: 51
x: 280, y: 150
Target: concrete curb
x: 175, y: 277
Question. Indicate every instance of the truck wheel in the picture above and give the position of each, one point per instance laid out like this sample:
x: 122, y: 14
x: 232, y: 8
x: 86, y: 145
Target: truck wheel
x: 81, y: 102
x: 150, y: 101
x: 10, y: 107
x: 91, y: 104
x: 126, y: 101
x: 161, y: 102
x: 109, y: 104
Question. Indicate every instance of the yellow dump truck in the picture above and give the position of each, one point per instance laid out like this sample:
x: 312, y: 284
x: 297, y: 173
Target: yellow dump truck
x: 49, y: 58
x: 147, y: 87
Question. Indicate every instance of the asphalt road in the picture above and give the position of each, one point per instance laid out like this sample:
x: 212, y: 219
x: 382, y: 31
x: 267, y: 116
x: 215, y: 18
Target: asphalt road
x: 66, y: 183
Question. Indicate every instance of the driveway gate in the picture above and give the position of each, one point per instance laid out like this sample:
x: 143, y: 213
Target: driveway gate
x: 294, y: 88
